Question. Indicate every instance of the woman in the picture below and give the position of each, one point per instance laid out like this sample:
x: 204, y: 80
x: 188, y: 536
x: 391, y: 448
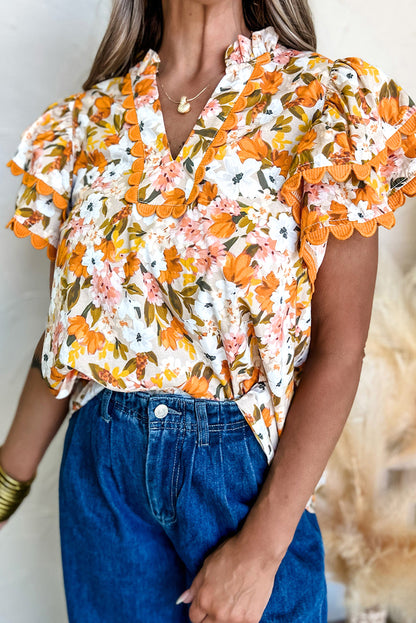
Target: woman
x: 186, y: 198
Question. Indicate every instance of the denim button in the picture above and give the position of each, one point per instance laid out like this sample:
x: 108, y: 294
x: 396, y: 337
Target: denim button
x: 161, y: 411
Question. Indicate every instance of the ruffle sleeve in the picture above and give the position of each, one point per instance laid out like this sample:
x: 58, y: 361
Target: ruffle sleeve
x: 356, y: 162
x: 45, y: 157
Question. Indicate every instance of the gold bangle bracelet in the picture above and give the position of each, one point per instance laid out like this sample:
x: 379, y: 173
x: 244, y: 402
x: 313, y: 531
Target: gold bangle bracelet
x: 12, y: 493
x: 11, y: 496
x: 12, y: 482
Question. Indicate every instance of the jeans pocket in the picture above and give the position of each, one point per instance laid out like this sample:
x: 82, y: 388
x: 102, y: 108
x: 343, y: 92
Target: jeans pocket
x: 244, y: 466
x: 255, y: 456
x: 69, y: 434
x: 314, y: 521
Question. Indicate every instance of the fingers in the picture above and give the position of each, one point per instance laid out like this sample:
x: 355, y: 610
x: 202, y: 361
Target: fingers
x: 185, y: 597
x: 196, y: 614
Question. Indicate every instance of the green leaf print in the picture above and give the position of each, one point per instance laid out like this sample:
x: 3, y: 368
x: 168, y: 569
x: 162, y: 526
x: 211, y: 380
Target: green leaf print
x: 175, y: 300
x: 149, y: 313
x: 197, y: 369
x: 152, y: 357
x: 226, y: 98
x: 130, y: 365
x: 73, y: 294
x: 120, y: 350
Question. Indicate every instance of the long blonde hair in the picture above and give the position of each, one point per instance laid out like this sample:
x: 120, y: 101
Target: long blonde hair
x: 137, y: 25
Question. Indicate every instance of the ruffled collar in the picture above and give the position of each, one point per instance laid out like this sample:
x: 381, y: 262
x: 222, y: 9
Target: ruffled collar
x: 242, y: 50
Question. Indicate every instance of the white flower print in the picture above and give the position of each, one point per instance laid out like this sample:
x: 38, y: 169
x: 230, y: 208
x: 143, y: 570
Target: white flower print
x: 92, y: 175
x: 345, y: 75
x: 269, y: 114
x: 139, y: 336
x: 114, y: 170
x: 273, y: 178
x: 234, y: 177
x: 126, y: 309
x: 153, y: 259
x: 172, y: 367
x: 93, y: 259
x: 360, y: 212
x: 45, y: 205
x: 59, y: 180
x: 91, y: 208
x: 121, y: 150
x: 203, y: 307
x: 191, y: 325
x: 283, y: 229
x: 208, y: 342
x: 149, y: 124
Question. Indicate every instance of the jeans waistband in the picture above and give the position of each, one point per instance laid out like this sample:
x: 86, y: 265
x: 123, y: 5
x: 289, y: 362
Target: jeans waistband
x: 165, y: 409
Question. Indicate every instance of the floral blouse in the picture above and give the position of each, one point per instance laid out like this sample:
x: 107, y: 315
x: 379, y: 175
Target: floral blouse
x: 195, y: 274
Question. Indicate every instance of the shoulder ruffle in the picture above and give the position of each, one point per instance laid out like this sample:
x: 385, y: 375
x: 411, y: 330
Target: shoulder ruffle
x: 356, y: 162
x: 45, y: 157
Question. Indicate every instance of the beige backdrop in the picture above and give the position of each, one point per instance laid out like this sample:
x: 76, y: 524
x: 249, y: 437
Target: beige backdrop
x: 45, y: 49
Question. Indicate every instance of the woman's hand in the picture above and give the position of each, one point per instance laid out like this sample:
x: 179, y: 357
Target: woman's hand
x: 233, y: 586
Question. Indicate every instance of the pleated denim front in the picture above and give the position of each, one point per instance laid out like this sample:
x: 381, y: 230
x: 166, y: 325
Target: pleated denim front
x: 150, y: 483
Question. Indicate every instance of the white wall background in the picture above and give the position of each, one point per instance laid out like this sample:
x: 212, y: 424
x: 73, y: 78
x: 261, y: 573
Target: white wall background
x: 46, y: 48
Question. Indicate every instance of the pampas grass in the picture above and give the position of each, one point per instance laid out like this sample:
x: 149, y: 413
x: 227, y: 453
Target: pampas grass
x: 367, y: 507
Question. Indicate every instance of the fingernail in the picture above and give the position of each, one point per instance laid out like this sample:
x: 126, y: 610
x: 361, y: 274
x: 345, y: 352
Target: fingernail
x: 182, y: 597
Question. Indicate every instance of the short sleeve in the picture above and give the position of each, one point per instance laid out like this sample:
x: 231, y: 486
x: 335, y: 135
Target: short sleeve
x: 45, y: 157
x: 356, y: 163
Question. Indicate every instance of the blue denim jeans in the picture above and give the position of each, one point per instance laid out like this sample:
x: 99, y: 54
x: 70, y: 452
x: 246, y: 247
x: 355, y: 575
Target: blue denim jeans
x: 149, y: 485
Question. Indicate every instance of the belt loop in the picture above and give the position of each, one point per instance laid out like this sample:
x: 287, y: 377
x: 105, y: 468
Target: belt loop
x: 201, y: 423
x: 106, y: 395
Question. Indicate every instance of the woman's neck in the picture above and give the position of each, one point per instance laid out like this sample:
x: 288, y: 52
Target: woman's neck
x: 195, y: 36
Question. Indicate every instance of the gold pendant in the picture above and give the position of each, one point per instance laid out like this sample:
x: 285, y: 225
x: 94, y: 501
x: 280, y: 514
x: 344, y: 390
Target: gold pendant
x: 183, y: 105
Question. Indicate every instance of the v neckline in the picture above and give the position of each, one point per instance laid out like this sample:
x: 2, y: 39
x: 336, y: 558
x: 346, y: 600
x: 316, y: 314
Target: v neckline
x: 159, y: 112
x: 177, y: 186
x: 243, y: 50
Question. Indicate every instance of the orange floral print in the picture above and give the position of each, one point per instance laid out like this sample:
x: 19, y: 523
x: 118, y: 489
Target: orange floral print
x: 265, y: 290
x: 271, y: 81
x: 196, y: 274
x: 309, y: 94
x: 223, y: 226
x: 253, y: 148
x: 208, y: 193
x: 196, y: 387
x: 75, y: 263
x: 307, y: 141
x: 173, y: 263
x: 238, y: 270
x: 131, y: 265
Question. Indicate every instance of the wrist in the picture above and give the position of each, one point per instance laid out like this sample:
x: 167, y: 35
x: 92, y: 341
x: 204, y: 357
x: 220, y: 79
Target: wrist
x: 267, y: 554
x: 14, y: 466
x: 269, y: 530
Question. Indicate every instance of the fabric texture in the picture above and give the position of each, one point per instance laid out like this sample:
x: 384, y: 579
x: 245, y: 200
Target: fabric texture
x: 152, y: 483
x: 196, y: 274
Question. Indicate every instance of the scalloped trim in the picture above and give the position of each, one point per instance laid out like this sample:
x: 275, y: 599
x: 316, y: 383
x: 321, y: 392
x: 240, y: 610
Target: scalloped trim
x: 318, y: 233
x: 342, y: 229
x: 21, y: 231
x: 42, y: 188
x: 341, y: 172
x: 168, y: 209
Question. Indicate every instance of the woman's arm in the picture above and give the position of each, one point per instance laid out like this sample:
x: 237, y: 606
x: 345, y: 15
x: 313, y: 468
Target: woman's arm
x: 38, y: 417
x: 236, y: 580
x: 341, y: 312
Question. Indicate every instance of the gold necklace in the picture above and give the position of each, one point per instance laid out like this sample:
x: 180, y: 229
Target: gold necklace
x: 183, y: 104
